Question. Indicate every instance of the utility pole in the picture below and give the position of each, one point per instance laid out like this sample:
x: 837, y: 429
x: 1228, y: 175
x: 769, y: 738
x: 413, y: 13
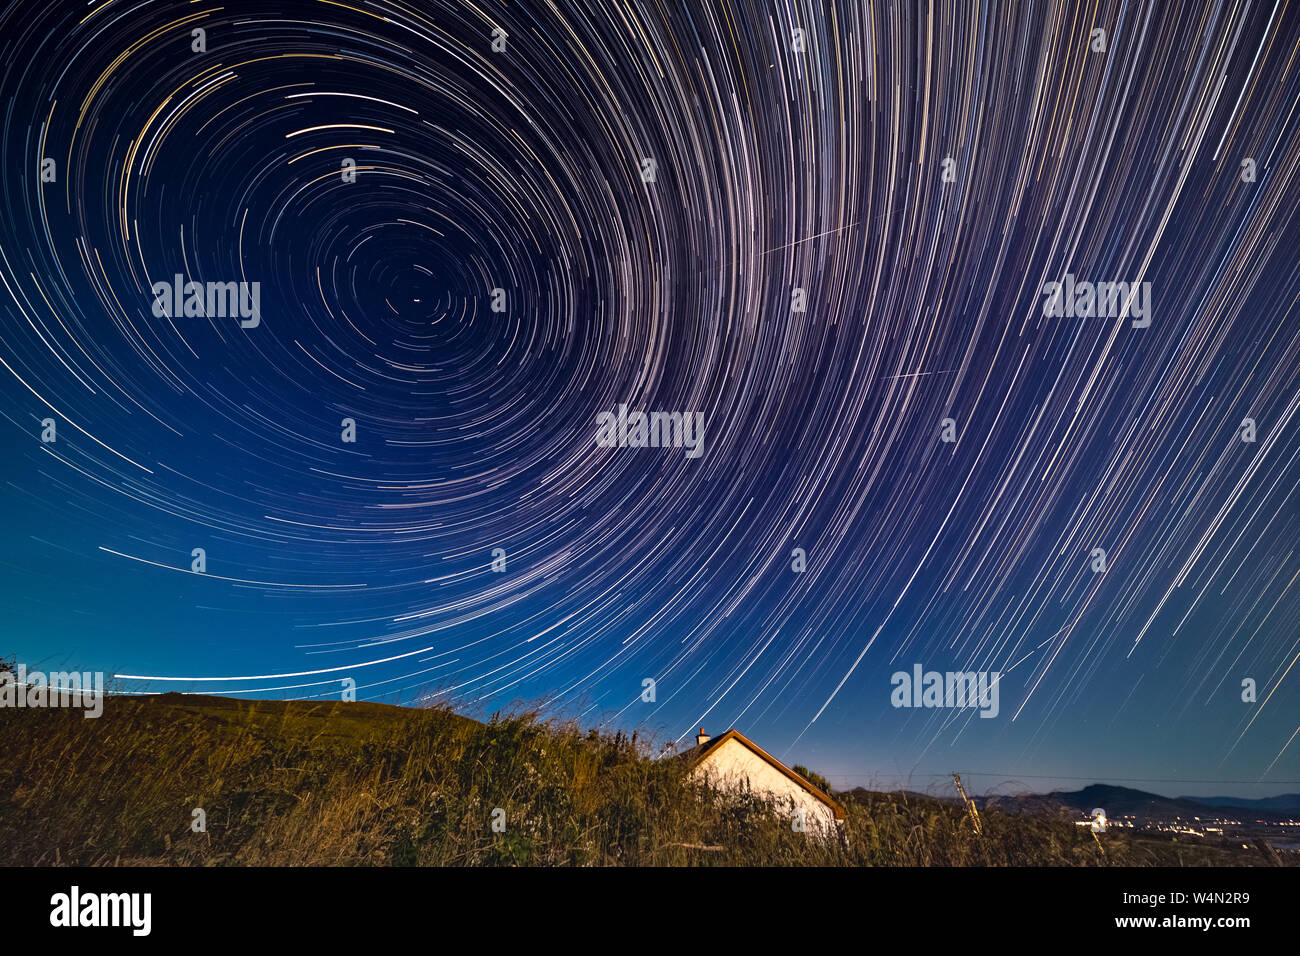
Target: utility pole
x: 970, y: 805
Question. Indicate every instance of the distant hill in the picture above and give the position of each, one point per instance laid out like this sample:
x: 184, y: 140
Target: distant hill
x: 1125, y: 801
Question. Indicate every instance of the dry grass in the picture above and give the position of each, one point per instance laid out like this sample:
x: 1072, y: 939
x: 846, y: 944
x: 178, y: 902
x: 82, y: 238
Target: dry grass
x: 294, y: 783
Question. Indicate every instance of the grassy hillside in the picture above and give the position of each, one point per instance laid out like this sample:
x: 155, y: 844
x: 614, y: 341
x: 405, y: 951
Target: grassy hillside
x: 295, y: 783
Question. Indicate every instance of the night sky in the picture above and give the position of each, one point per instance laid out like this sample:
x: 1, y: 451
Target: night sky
x: 919, y: 172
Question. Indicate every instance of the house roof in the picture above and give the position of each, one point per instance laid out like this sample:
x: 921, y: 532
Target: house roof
x: 696, y: 755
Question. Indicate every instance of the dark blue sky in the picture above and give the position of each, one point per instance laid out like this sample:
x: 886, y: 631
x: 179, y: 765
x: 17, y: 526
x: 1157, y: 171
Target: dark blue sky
x: 914, y: 181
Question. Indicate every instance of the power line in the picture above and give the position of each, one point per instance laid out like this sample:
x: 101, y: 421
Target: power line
x: 1060, y: 776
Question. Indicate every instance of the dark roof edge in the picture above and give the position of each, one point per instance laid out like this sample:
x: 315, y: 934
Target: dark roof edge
x: 697, y: 753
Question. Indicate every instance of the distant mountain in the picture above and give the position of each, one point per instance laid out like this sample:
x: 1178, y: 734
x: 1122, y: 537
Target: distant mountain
x: 1283, y: 803
x: 1125, y: 801
x: 1116, y: 801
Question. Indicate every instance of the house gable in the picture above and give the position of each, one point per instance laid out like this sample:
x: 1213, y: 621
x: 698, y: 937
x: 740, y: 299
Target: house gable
x: 733, y: 756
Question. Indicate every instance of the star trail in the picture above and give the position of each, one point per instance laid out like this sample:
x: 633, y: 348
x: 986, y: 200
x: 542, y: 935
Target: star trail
x: 825, y: 229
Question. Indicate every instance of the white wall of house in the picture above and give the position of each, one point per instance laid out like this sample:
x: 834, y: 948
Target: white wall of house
x: 732, y: 765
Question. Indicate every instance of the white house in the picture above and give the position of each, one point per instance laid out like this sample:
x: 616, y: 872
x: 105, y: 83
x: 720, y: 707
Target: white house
x: 733, y: 761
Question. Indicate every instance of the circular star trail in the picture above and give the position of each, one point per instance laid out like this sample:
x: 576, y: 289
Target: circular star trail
x: 825, y: 228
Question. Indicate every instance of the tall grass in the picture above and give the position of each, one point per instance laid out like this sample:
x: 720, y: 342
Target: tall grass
x: 364, y: 784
